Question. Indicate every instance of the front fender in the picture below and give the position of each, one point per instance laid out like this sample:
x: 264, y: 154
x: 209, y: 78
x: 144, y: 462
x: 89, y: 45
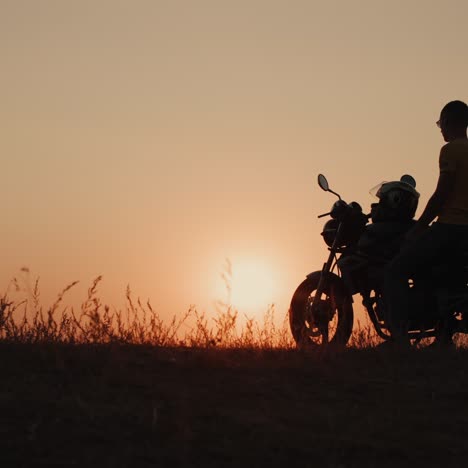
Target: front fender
x: 336, y: 283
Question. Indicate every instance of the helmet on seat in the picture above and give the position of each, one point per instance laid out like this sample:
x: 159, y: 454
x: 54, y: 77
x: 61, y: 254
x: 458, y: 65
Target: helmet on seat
x: 398, y: 201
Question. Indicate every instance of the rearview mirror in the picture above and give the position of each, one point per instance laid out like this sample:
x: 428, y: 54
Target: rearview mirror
x: 323, y: 182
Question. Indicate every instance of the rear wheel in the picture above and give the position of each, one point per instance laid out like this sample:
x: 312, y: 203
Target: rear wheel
x: 330, y: 323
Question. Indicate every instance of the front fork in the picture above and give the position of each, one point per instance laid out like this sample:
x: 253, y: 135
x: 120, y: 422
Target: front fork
x: 327, y: 267
x: 317, y: 303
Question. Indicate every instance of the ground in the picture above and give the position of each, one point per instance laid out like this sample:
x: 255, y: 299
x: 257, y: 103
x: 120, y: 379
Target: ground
x: 130, y: 406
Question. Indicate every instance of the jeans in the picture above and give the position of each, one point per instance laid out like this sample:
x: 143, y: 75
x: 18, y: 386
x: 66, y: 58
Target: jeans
x: 439, y: 242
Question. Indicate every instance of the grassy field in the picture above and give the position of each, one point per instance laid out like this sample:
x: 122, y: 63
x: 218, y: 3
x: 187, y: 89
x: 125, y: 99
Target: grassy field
x: 95, y: 388
x: 121, y: 406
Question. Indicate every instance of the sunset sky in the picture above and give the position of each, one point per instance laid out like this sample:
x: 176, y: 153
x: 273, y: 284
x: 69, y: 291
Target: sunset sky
x: 148, y: 141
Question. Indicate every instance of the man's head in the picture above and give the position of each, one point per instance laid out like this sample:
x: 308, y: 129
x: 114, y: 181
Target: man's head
x: 453, y: 120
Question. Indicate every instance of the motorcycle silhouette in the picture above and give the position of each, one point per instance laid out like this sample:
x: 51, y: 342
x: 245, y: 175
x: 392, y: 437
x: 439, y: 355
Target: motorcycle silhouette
x: 360, y: 246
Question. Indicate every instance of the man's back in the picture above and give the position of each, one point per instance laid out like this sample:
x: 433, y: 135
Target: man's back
x: 454, y: 159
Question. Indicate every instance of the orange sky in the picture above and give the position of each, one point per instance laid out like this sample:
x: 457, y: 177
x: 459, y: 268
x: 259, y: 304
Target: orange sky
x: 147, y: 141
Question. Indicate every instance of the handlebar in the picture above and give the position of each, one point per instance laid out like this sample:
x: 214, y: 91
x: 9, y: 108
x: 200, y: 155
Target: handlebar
x: 341, y: 205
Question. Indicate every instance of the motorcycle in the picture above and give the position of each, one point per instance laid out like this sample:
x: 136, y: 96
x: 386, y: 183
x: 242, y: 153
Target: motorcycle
x: 361, y: 245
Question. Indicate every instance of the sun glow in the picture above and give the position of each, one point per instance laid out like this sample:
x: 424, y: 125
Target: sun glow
x: 252, y: 286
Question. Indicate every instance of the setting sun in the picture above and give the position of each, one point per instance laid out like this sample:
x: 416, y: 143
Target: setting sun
x: 252, y: 286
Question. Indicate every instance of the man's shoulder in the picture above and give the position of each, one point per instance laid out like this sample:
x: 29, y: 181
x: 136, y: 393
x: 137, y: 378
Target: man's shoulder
x: 454, y: 148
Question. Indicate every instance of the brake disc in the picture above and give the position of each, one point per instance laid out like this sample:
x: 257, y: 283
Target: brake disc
x: 319, y: 316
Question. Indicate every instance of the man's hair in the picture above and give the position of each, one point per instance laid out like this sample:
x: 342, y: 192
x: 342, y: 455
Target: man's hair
x: 456, y: 112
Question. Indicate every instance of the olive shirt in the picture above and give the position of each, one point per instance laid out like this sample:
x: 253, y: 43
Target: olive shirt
x: 454, y: 159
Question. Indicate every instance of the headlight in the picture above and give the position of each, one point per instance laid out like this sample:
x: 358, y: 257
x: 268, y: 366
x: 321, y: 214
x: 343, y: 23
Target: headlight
x: 329, y: 231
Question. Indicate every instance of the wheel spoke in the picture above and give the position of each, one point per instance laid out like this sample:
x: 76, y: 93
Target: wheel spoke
x: 325, y: 334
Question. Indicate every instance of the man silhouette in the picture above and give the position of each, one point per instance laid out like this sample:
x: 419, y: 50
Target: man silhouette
x: 426, y: 244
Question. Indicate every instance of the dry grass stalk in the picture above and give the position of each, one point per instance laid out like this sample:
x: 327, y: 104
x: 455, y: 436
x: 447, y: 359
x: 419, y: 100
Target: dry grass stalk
x: 26, y: 321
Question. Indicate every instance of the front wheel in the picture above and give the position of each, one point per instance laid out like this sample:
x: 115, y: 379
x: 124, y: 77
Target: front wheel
x: 331, y: 323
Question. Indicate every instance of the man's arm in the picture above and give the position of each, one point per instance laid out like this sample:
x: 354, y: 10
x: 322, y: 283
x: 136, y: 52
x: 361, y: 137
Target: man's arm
x: 438, y: 199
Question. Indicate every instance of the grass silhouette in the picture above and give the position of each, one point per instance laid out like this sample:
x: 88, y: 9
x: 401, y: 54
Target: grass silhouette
x: 27, y: 321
